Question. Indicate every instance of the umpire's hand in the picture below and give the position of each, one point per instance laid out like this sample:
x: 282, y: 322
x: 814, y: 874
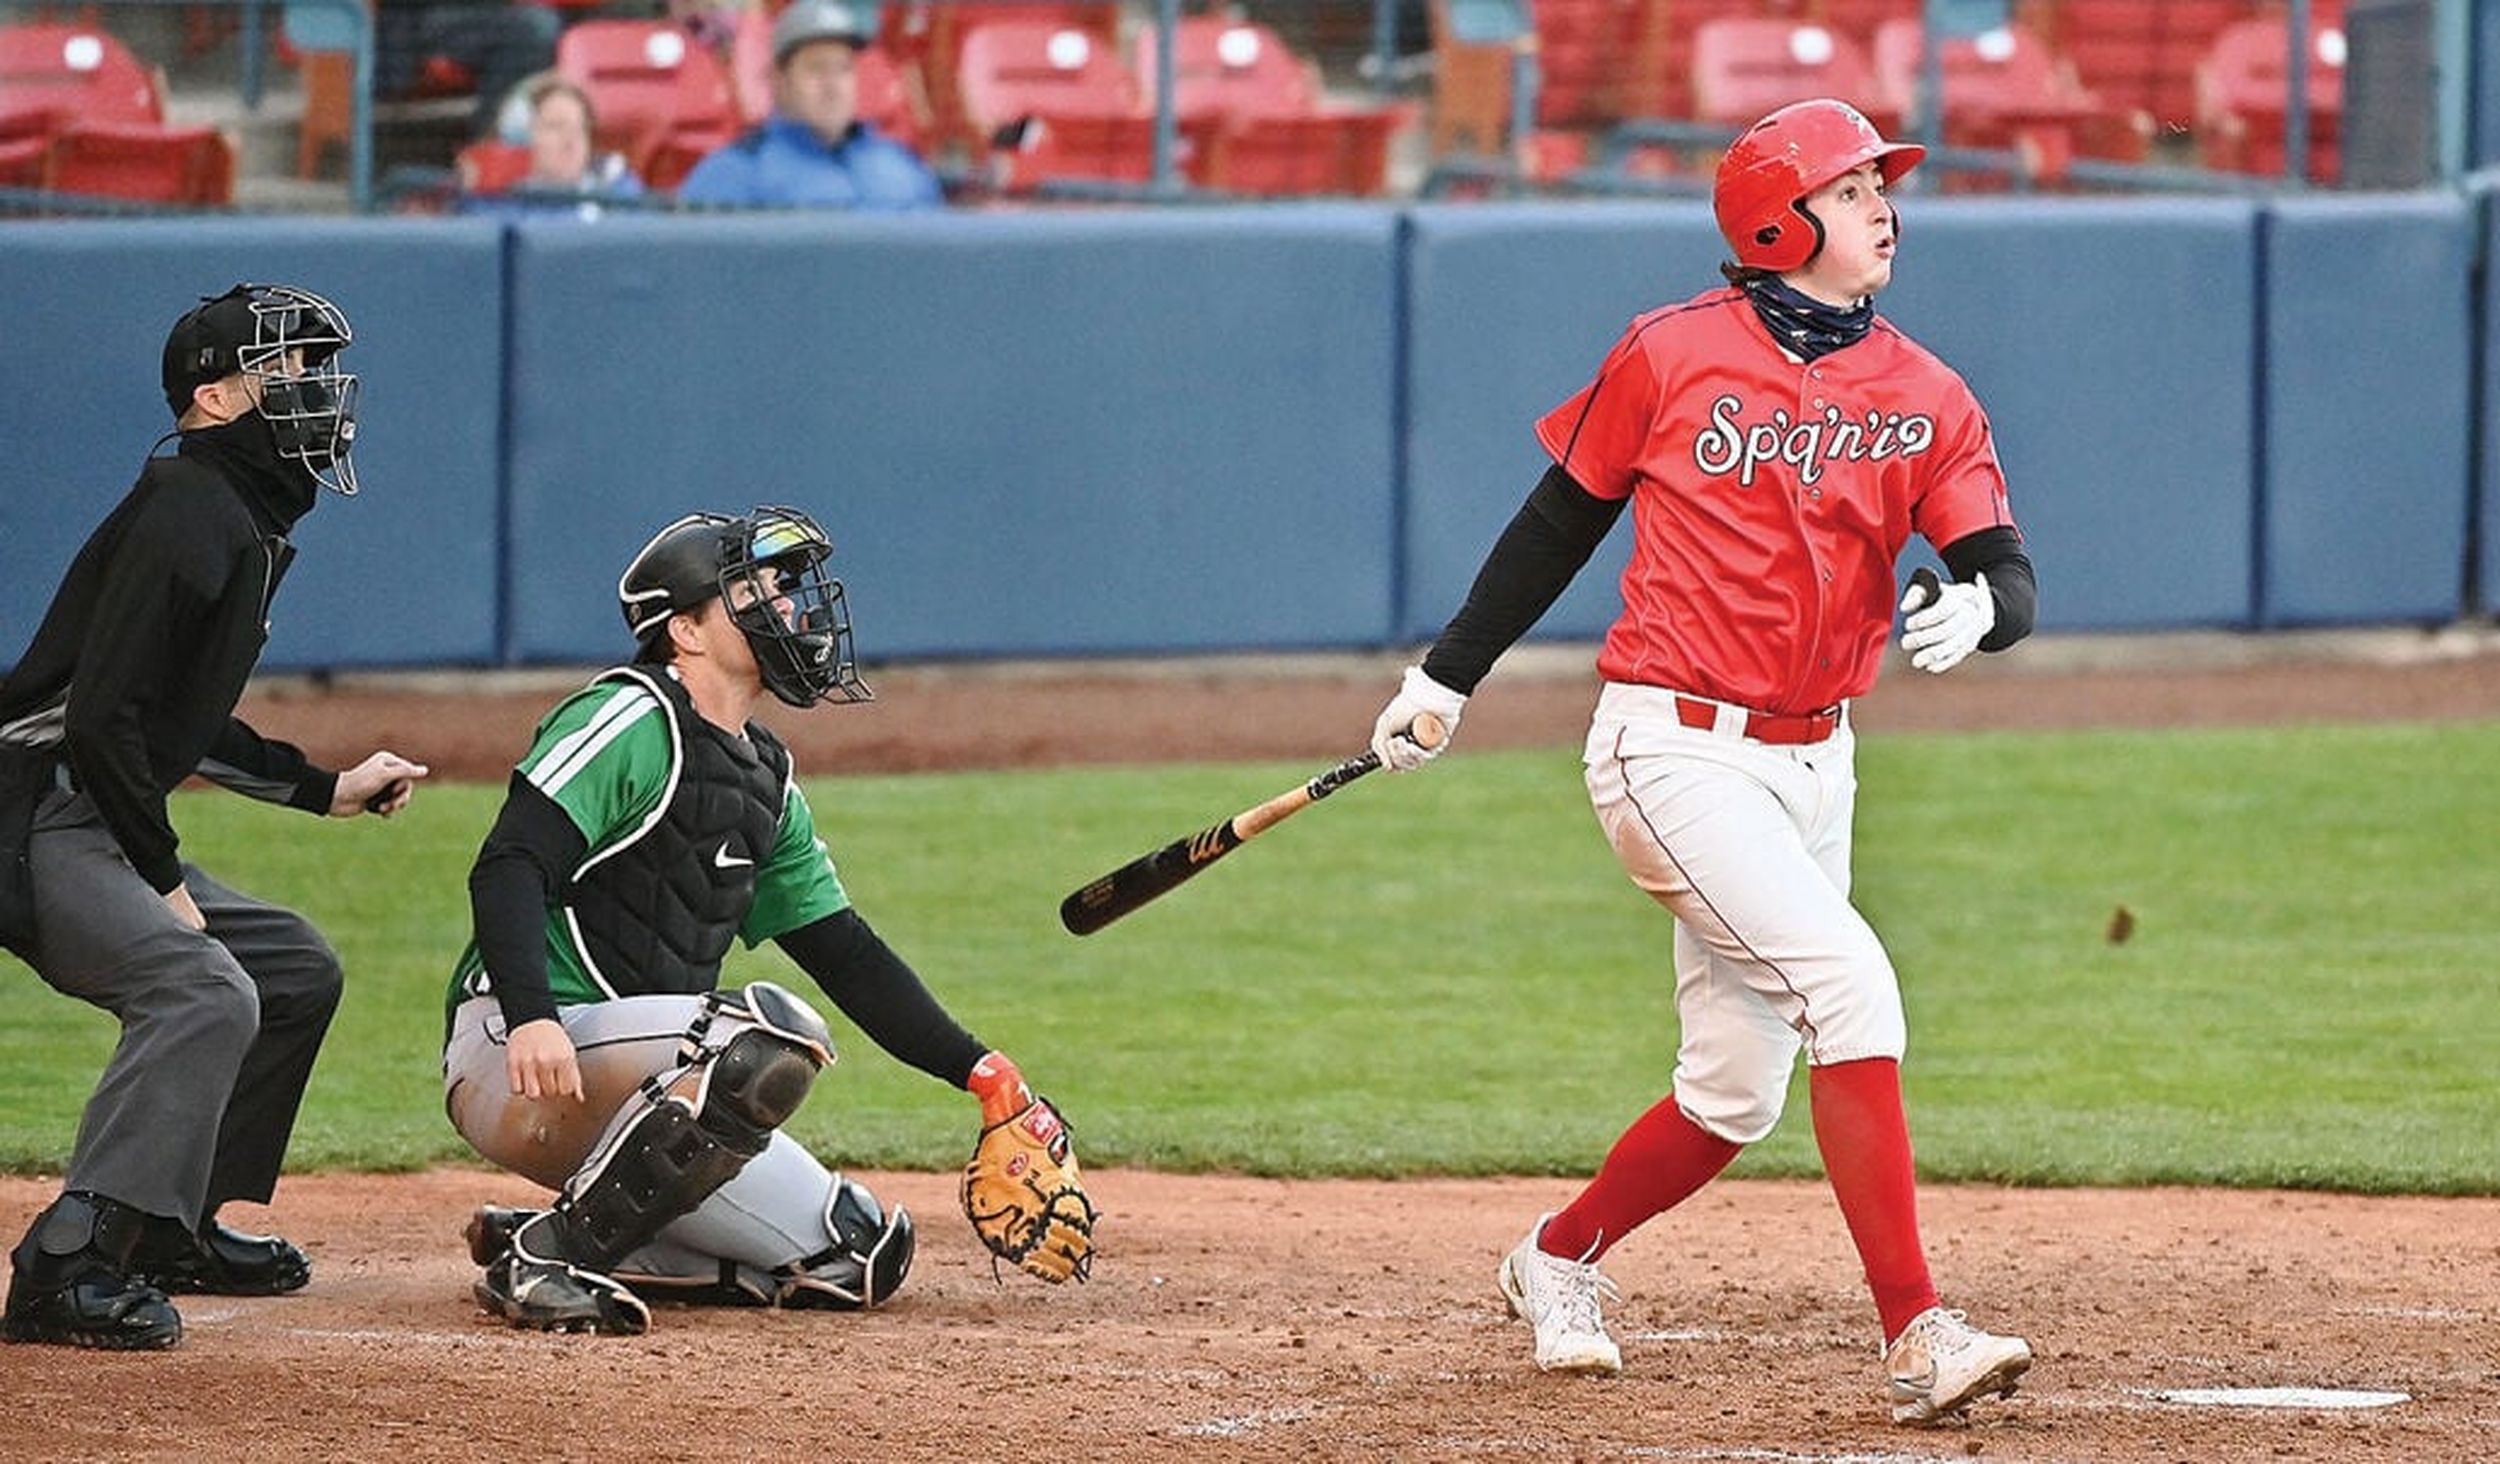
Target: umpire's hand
x: 382, y: 783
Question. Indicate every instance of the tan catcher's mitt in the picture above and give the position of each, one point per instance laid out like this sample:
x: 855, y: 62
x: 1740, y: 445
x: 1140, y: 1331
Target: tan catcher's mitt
x: 1024, y: 1197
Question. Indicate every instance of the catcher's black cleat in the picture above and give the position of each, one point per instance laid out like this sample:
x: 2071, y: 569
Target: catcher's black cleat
x: 553, y: 1296
x: 218, y: 1260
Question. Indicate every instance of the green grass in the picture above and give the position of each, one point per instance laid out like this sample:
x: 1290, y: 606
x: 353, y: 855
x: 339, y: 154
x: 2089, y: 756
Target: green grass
x: 1447, y: 974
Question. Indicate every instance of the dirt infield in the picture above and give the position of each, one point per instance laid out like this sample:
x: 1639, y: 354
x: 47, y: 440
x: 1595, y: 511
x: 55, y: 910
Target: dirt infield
x: 1233, y: 1318
x: 1251, y: 1319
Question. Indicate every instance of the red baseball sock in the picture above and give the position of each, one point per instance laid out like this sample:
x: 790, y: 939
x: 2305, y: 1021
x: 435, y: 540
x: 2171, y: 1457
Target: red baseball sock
x: 1660, y: 1160
x: 1865, y: 1139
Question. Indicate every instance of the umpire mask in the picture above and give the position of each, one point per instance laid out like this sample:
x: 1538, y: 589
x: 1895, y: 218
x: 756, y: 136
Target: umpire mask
x: 287, y: 340
x: 791, y: 609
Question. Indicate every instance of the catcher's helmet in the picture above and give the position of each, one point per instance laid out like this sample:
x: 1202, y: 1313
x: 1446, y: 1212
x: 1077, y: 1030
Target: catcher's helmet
x: 798, y: 623
x: 311, y: 407
x: 1766, y: 174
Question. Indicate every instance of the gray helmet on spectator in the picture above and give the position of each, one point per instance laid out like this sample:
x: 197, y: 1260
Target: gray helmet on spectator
x: 819, y: 20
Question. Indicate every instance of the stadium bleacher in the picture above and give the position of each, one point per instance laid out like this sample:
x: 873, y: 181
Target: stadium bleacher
x: 2177, y: 82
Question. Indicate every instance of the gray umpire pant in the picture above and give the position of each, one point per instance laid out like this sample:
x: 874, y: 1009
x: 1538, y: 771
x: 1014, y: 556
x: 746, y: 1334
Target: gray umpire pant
x: 219, y: 1028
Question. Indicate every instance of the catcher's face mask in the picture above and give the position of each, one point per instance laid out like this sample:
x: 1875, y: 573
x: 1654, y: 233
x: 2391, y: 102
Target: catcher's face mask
x: 790, y: 608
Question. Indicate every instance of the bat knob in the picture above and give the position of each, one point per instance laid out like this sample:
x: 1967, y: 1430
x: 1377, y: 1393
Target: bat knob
x: 1427, y: 731
x: 1925, y: 589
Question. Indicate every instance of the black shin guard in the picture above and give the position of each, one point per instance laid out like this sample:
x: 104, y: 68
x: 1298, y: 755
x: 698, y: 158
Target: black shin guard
x: 693, y: 1134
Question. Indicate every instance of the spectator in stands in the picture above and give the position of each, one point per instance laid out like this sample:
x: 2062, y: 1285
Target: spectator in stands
x: 565, y: 174
x: 496, y: 44
x: 815, y: 150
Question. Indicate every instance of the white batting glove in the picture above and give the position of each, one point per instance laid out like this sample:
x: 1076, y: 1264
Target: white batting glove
x: 1946, y: 623
x: 1392, y: 737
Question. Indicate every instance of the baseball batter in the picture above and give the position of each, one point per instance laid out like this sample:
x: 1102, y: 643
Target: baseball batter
x: 590, y: 1047
x: 1779, y: 443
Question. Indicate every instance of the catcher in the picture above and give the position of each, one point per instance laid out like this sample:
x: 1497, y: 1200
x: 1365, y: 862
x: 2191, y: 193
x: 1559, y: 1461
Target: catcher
x: 590, y: 1047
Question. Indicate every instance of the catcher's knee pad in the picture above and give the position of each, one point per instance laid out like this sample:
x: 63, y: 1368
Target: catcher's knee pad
x: 764, y: 1049
x: 755, y: 1053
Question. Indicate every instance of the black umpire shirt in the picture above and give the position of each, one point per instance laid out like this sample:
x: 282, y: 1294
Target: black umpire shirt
x: 136, y: 669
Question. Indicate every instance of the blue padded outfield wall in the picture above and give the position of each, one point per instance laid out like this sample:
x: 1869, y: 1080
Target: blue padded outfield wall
x: 1509, y: 311
x: 1144, y: 431
x: 2369, y: 353
x: 2113, y: 347
x: 1084, y: 432
x: 2487, y: 463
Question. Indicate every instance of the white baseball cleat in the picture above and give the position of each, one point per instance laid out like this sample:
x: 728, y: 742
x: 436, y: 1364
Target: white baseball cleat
x: 1560, y: 1299
x: 1941, y: 1364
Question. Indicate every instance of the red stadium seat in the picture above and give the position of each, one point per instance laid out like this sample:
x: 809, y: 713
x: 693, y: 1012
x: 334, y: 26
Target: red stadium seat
x: 1054, y: 102
x: 1230, y: 67
x: 192, y: 166
x: 2243, y: 93
x: 2003, y: 89
x: 74, y: 73
x: 1584, y: 55
x: 1743, y: 68
x: 932, y: 35
x: 2142, y: 54
x: 648, y: 81
x: 1862, y: 18
x: 1657, y: 80
x: 1258, y: 121
x: 35, y: 124
x: 21, y: 162
x: 1339, y: 153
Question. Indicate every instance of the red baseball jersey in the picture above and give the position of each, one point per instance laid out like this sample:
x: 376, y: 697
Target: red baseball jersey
x: 1770, y: 497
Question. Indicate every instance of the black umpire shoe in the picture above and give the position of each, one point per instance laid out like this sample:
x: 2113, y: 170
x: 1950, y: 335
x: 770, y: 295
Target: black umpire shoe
x: 69, y: 1284
x: 98, y: 1309
x: 218, y: 1260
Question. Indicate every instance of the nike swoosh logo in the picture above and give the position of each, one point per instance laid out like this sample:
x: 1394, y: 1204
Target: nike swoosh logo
x: 723, y: 859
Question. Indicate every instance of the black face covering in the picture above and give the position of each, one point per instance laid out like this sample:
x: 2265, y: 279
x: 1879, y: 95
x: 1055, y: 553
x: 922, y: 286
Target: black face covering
x: 247, y: 448
x: 1804, y: 324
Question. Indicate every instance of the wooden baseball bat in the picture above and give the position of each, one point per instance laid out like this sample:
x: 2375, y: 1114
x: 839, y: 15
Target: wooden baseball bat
x: 1096, y: 905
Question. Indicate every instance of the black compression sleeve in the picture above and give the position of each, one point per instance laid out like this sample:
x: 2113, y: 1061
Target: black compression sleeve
x: 514, y: 883
x: 874, y: 988
x: 1548, y: 540
x: 1998, y: 554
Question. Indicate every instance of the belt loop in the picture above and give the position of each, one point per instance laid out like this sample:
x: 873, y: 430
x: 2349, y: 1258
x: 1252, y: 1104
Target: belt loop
x: 1731, y: 721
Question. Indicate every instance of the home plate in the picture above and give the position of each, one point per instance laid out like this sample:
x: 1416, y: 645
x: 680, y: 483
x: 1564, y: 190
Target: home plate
x: 2277, y: 1397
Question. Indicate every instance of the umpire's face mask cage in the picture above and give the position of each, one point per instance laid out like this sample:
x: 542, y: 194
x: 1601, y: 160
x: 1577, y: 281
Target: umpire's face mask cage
x: 310, y: 404
x: 791, y: 609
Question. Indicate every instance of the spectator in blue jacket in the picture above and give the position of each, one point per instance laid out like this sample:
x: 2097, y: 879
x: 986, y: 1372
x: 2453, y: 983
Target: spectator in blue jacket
x: 815, y: 151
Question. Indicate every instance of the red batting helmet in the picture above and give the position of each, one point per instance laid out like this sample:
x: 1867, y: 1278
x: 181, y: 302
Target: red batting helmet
x: 1778, y: 161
